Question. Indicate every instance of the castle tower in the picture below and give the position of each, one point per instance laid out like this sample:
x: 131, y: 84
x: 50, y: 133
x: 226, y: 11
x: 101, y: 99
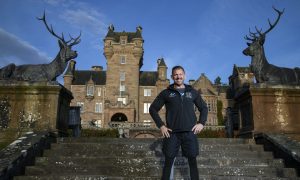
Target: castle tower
x: 69, y: 75
x: 124, y: 56
x: 162, y: 81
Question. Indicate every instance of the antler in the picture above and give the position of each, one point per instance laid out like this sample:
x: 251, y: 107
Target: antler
x: 253, y: 36
x: 275, y: 23
x: 72, y: 40
x: 50, y: 29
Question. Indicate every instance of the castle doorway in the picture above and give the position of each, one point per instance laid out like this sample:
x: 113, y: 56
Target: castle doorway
x: 119, y: 117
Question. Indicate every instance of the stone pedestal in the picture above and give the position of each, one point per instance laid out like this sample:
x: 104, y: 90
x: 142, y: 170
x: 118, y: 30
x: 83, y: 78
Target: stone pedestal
x: 269, y: 108
x: 36, y: 106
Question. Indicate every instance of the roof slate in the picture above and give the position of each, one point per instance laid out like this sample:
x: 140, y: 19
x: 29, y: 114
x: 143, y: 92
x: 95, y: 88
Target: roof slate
x: 83, y: 76
x: 148, y: 78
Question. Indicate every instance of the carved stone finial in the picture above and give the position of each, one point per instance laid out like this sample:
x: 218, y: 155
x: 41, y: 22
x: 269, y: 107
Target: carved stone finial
x: 111, y: 27
x: 139, y: 28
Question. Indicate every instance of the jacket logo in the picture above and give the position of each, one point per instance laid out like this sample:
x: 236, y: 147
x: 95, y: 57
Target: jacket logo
x: 188, y: 95
x: 172, y: 94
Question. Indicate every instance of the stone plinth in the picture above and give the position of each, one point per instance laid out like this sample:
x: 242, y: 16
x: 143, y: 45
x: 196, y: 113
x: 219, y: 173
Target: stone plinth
x: 36, y: 106
x: 269, y: 108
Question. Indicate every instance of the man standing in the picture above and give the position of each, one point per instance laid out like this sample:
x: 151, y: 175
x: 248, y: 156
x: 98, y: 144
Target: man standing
x: 181, y: 122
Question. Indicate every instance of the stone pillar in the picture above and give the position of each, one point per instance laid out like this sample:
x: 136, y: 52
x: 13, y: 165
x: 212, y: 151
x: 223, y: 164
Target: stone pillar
x: 34, y: 106
x: 266, y: 108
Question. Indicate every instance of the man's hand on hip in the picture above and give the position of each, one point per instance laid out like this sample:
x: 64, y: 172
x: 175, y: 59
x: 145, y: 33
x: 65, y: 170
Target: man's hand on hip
x: 197, y: 128
x: 165, y: 131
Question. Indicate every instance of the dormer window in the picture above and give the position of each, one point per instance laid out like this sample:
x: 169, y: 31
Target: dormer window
x: 90, y: 90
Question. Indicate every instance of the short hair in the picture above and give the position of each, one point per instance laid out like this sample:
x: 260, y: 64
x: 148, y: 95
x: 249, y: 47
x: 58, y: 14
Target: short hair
x: 177, y: 67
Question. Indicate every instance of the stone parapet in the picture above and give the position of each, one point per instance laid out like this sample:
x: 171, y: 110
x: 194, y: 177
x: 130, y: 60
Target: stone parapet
x: 269, y: 108
x: 22, y: 152
x: 36, y: 106
x: 284, y: 146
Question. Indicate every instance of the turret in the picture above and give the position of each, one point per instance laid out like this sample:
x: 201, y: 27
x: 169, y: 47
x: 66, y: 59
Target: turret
x: 162, y: 69
x: 69, y: 75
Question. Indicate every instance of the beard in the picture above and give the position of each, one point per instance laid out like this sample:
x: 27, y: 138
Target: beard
x: 178, y: 81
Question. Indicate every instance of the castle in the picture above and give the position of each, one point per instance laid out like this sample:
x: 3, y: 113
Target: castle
x: 123, y: 93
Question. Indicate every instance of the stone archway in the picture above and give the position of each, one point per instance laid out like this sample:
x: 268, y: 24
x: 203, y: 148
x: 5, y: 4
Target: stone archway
x: 119, y: 117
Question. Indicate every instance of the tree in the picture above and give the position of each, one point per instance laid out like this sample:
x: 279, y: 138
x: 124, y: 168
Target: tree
x: 218, y: 81
x: 219, y: 113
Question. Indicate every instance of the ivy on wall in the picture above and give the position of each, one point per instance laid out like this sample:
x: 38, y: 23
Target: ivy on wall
x: 219, y: 113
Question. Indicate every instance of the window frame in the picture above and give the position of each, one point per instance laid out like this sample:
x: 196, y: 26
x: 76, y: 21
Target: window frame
x: 147, y: 92
x: 146, y: 107
x: 90, y: 89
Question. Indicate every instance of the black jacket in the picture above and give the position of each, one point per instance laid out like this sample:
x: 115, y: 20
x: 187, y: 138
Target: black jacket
x: 180, y: 111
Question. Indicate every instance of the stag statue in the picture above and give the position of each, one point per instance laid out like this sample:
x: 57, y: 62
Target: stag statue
x: 264, y: 71
x: 43, y: 72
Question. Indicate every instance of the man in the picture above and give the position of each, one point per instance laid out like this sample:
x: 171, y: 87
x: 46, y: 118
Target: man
x: 181, y: 126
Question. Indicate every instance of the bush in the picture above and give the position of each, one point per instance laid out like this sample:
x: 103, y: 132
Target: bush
x: 219, y: 113
x: 99, y: 133
x: 208, y: 133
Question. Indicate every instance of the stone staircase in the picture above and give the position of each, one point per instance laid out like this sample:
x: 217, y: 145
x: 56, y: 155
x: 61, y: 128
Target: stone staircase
x: 107, y: 158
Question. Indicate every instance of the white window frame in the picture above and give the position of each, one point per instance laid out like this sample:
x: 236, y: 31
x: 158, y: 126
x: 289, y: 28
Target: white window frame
x: 122, y: 88
x: 98, y: 123
x: 146, y: 108
x: 122, y: 99
x: 81, y: 105
x: 147, y: 92
x: 147, y: 123
x: 99, y: 91
x: 122, y: 76
x: 90, y: 90
x: 98, y: 107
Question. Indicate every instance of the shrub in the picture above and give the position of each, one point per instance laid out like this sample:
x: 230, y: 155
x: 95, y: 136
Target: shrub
x: 99, y: 133
x: 208, y: 133
x: 219, y: 113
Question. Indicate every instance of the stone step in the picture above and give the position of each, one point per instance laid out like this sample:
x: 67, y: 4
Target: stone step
x: 180, y: 161
x: 157, y: 153
x: 144, y: 171
x: 150, y: 140
x: 151, y: 146
x: 103, y: 177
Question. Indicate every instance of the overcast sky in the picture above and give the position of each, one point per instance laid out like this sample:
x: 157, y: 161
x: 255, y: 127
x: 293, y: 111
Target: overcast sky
x: 204, y: 36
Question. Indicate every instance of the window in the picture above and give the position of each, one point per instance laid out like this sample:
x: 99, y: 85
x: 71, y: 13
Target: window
x: 81, y: 105
x: 123, y: 100
x: 146, y: 107
x: 147, y: 92
x: 99, y: 91
x: 123, y: 41
x: 122, y: 59
x: 122, y: 76
x: 98, y: 123
x: 122, y: 87
x: 147, y: 123
x: 90, y: 90
x: 98, y: 108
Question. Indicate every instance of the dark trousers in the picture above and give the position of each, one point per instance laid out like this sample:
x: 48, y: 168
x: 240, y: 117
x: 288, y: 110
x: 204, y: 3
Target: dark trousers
x: 190, y: 149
